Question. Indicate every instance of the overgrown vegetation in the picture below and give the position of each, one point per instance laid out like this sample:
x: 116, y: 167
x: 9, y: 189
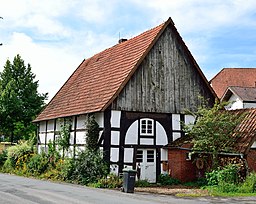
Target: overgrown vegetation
x: 166, y: 180
x: 142, y: 183
x: 111, y: 181
x: 213, y: 131
x: 63, y: 140
x: 225, y: 181
x: 92, y: 134
x: 88, y: 167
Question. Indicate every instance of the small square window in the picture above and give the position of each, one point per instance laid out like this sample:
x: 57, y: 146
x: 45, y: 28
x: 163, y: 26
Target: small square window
x: 146, y: 127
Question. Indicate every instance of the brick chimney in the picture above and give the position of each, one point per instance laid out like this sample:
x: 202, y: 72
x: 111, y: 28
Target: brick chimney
x: 122, y: 40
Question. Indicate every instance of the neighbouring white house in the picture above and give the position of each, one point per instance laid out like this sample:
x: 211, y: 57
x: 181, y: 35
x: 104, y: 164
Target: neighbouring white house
x: 240, y: 97
x: 138, y: 91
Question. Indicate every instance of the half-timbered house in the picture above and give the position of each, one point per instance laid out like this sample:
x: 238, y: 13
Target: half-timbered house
x: 138, y: 91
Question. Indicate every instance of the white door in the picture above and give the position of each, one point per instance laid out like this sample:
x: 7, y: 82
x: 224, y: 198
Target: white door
x: 146, y: 164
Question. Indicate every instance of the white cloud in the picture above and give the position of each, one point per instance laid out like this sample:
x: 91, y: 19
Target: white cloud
x: 33, y: 14
x: 201, y: 15
x: 55, y: 36
x: 52, y: 65
x: 46, y: 26
x: 96, y: 11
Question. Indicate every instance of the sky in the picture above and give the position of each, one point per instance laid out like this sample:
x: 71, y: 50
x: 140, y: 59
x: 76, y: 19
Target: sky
x: 54, y: 36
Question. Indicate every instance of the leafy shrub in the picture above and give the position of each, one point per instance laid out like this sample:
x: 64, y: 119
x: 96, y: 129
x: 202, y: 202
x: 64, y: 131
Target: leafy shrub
x: 89, y: 167
x: 53, y: 155
x: 3, y: 157
x: 65, y: 169
x: 228, y: 174
x: 142, y: 183
x: 200, y: 182
x: 111, y: 181
x: 64, y: 137
x: 224, y: 187
x: 92, y: 133
x: 38, y: 164
x: 249, y: 186
x: 212, y: 178
x: 22, y: 163
x: 166, y: 180
x: 16, y: 152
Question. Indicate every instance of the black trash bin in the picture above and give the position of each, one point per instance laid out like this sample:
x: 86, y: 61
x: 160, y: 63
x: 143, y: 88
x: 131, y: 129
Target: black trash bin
x: 129, y: 180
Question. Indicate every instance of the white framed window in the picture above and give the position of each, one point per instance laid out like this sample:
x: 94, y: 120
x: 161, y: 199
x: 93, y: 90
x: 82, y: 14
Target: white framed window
x: 146, y: 127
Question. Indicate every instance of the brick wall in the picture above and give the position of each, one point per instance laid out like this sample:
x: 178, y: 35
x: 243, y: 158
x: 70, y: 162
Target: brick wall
x: 180, y: 167
x: 251, y: 159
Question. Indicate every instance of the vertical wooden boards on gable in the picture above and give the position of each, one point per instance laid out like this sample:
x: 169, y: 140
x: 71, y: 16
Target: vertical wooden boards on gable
x: 166, y: 81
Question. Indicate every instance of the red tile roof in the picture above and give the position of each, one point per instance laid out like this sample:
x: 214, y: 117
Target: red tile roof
x: 99, y: 79
x: 244, y: 134
x: 244, y: 77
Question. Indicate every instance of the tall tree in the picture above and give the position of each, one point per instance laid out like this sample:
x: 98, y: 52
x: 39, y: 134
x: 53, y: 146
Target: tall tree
x: 20, y: 101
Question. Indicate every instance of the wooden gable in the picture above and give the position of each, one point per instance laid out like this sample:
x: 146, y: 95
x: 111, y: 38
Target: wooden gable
x: 168, y: 79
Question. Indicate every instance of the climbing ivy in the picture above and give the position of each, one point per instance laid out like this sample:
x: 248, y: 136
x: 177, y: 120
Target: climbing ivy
x: 63, y: 141
x: 92, y: 133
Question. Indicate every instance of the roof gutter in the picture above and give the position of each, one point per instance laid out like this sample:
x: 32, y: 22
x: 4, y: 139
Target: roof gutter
x: 199, y: 152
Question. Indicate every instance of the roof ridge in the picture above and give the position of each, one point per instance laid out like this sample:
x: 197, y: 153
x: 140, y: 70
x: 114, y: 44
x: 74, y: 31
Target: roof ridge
x: 246, y: 87
x: 123, y: 43
x: 231, y: 68
x: 235, y: 68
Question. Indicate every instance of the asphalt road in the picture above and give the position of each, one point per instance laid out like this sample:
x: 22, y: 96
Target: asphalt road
x: 20, y: 190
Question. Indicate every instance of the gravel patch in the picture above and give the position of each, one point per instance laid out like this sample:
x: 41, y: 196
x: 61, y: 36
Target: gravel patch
x: 173, y: 190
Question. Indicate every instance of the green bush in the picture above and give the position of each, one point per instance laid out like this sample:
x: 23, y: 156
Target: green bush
x: 111, y: 181
x: 17, y: 153
x: 228, y: 174
x: 212, y: 178
x: 89, y: 167
x: 224, y: 187
x: 21, y: 167
x: 142, y: 183
x: 166, y: 180
x: 38, y: 164
x: 200, y: 182
x: 3, y: 157
x: 65, y: 169
x: 249, y: 186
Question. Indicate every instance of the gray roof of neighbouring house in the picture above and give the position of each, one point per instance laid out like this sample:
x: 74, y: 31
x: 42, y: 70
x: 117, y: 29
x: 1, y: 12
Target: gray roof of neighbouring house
x: 246, y: 94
